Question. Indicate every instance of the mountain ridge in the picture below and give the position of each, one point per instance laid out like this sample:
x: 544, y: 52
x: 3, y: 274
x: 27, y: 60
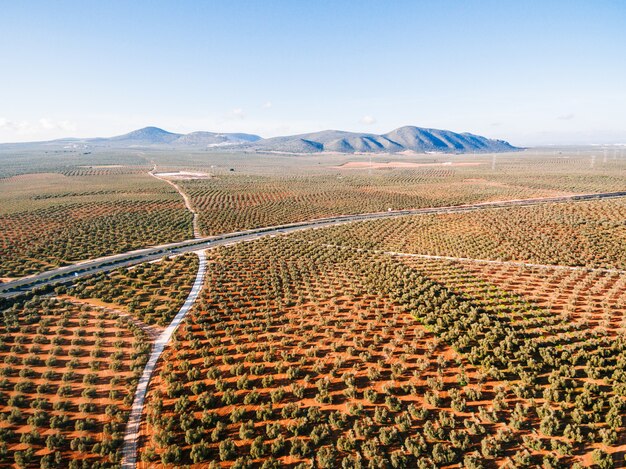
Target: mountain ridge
x: 407, y: 138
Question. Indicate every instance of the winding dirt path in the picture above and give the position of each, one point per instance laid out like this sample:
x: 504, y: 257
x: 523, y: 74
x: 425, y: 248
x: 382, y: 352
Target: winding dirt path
x: 131, y: 437
x: 470, y: 260
x: 196, y: 230
x: 511, y: 263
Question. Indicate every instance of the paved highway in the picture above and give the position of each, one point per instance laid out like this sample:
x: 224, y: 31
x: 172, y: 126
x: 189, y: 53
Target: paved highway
x: 73, y: 272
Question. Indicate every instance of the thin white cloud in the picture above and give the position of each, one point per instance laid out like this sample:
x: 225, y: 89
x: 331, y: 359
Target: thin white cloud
x: 48, y: 124
x: 566, y: 117
x: 267, y: 105
x: 368, y: 120
x: 15, y: 126
x: 237, y: 113
x: 42, y: 125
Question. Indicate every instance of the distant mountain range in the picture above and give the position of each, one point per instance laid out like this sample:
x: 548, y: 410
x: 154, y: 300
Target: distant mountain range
x: 415, y: 139
x: 150, y: 136
x: 407, y: 138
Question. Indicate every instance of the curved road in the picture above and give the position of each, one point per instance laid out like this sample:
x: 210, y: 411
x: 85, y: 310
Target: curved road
x: 129, y: 451
x: 196, y: 229
x: 72, y: 272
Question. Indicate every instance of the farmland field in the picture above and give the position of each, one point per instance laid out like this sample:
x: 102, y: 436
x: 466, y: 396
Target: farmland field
x: 67, y: 376
x: 231, y: 203
x: 589, y: 234
x: 86, y: 209
x: 50, y: 219
x: 302, y: 351
x: 70, y: 363
x: 251, y: 198
x: 151, y: 292
x: 492, y: 338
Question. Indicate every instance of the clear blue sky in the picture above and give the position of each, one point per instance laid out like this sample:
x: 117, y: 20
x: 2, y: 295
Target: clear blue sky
x: 530, y: 72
